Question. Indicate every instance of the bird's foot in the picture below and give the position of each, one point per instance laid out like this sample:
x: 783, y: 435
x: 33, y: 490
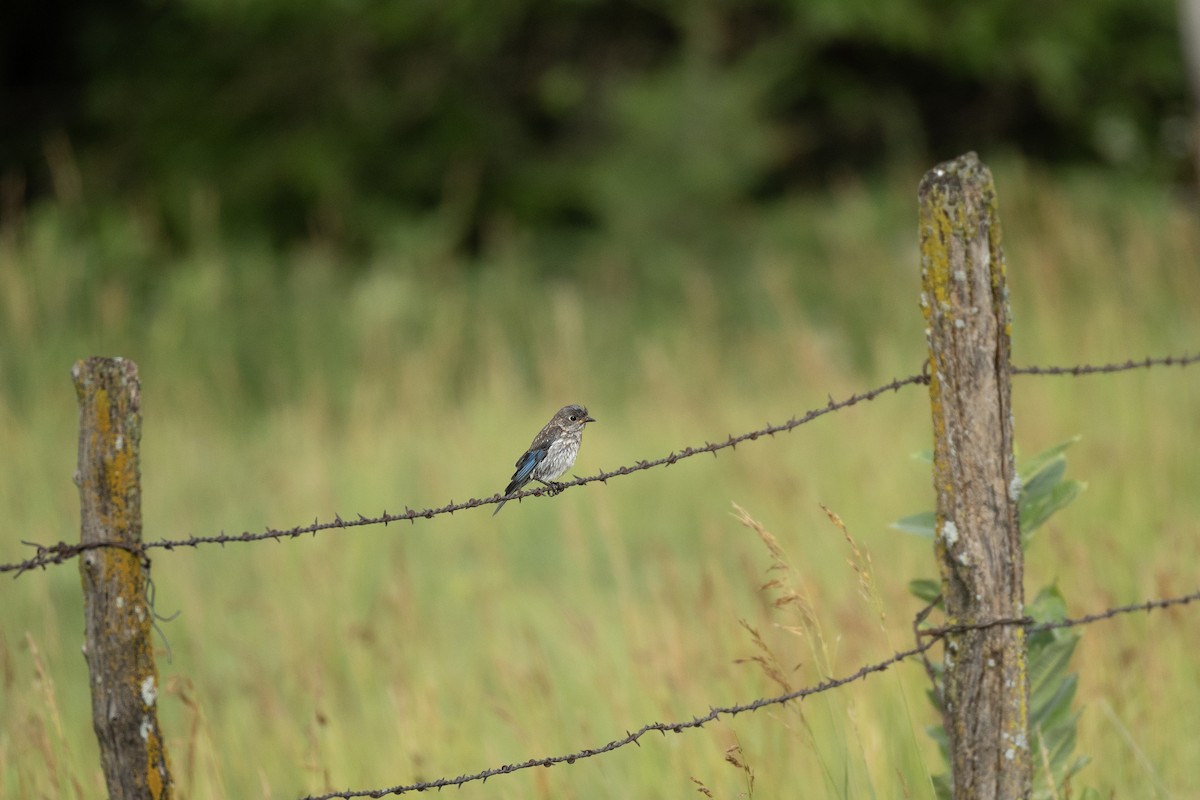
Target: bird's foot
x: 553, y: 487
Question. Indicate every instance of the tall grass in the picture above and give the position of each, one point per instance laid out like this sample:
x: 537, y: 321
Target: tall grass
x: 279, y: 387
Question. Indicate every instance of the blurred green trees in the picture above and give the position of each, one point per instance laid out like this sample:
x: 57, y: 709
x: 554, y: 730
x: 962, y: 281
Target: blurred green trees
x: 334, y: 118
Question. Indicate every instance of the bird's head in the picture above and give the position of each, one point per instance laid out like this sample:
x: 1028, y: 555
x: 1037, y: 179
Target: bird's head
x: 573, y: 418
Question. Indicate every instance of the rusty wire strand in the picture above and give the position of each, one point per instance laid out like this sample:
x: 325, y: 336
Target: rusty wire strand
x: 1033, y: 626
x: 63, y: 551
x: 1096, y: 369
x: 932, y: 636
x: 632, y: 738
x: 59, y: 552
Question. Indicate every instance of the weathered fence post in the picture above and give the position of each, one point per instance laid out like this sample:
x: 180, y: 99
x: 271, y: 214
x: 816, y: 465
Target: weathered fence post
x: 965, y: 302
x: 117, y: 617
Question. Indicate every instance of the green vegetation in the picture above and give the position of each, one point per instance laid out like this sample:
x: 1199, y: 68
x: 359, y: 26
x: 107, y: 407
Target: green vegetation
x: 1052, y: 721
x: 333, y: 118
x: 283, y: 384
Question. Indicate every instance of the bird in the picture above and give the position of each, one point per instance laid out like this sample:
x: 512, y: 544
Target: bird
x: 552, y: 452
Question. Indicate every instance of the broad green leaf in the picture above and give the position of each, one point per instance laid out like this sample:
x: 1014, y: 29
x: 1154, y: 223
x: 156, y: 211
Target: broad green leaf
x: 1033, y: 466
x: 923, y: 524
x: 1059, y: 496
x: 1059, y: 744
x: 1053, y: 723
x: 1048, y: 606
x: 925, y: 589
x: 1034, y: 486
x: 1052, y: 709
x: 1047, y: 669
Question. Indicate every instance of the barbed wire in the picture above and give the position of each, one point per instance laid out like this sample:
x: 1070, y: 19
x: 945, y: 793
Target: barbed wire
x: 1095, y: 369
x: 63, y: 551
x: 932, y: 636
x: 46, y: 555
x: 1033, y: 626
x: 631, y: 738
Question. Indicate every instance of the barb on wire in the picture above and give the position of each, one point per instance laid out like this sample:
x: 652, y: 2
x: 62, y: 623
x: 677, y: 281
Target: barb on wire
x: 1032, y: 626
x: 1096, y: 369
x: 931, y: 636
x: 1147, y: 606
x: 63, y: 551
x: 45, y: 555
x: 632, y: 738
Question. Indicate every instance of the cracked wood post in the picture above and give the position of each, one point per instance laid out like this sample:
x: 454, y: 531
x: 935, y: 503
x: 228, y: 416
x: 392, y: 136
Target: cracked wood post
x: 978, y: 543
x: 117, y: 617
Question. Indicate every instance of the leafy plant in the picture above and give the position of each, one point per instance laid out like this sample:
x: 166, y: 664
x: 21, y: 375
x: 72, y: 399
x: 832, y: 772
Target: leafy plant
x: 1043, y: 491
x: 1052, y: 720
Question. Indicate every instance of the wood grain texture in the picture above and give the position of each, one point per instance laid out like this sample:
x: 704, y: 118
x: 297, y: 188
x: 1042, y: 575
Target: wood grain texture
x: 978, y: 542
x: 117, y: 616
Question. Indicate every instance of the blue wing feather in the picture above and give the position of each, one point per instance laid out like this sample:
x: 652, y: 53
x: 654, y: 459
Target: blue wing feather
x: 525, y: 466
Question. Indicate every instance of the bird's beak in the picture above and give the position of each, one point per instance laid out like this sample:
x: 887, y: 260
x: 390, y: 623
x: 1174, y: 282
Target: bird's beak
x: 588, y: 419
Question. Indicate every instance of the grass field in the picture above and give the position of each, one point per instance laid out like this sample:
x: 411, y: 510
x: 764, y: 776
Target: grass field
x: 282, y: 387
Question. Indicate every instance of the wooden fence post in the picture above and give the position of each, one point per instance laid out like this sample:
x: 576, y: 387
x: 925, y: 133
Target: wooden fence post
x: 117, y: 616
x: 978, y: 543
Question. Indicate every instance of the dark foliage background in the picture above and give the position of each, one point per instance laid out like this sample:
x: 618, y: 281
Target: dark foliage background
x: 329, y: 117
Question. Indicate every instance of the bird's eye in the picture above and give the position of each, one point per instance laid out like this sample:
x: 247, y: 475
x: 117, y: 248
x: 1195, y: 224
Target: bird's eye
x: 574, y: 418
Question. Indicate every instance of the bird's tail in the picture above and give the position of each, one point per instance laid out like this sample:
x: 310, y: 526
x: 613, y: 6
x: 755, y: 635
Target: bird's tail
x: 498, y: 507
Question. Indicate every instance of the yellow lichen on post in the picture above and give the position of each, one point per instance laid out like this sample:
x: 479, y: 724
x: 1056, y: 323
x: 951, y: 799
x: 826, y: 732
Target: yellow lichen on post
x: 115, y: 573
x: 968, y: 326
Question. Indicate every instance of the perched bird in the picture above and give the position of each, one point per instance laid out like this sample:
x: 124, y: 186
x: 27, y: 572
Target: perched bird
x: 552, y: 453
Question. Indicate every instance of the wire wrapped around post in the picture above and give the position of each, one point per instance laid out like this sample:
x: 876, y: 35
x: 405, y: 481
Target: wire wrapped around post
x: 117, y: 615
